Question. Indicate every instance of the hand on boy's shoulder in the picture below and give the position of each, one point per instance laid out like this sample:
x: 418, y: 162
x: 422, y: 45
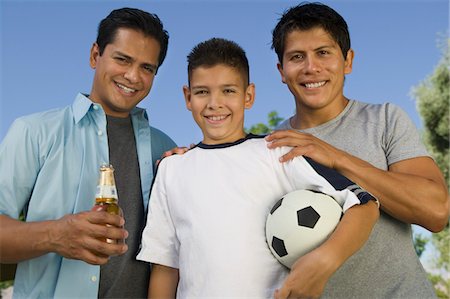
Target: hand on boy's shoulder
x: 180, y: 150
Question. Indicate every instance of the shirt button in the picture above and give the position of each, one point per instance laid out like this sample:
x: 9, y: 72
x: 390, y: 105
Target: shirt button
x: 93, y: 278
x: 95, y: 107
x: 99, y: 133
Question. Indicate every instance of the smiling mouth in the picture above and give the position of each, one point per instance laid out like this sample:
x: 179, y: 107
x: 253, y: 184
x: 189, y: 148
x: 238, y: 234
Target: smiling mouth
x: 125, y: 88
x: 216, y: 118
x: 315, y: 84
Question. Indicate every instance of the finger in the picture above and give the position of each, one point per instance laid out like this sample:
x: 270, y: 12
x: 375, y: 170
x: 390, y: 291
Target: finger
x: 93, y: 258
x: 282, y: 293
x: 276, y: 135
x: 180, y: 150
x: 100, y: 247
x: 103, y: 217
x: 103, y: 232
x: 294, y: 152
x: 286, y: 141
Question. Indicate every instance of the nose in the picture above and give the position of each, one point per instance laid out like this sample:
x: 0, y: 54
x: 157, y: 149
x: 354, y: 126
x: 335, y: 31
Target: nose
x: 215, y: 100
x: 312, y: 64
x: 132, y: 74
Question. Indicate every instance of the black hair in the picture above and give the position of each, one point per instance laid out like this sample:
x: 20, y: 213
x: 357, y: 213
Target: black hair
x: 132, y: 18
x: 219, y: 51
x: 306, y: 16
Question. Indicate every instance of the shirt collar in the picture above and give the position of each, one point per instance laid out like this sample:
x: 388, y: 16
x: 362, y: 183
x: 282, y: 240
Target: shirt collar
x: 82, y: 104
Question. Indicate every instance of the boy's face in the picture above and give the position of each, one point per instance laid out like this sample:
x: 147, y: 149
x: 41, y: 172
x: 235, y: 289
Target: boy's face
x: 125, y: 71
x: 313, y: 69
x: 217, y: 97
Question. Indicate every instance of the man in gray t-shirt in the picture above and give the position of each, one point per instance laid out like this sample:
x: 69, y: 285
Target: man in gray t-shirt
x: 376, y: 146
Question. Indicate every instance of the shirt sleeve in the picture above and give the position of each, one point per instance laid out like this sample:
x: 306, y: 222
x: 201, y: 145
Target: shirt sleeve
x: 19, y: 167
x: 159, y: 244
x: 318, y: 177
x: 402, y: 140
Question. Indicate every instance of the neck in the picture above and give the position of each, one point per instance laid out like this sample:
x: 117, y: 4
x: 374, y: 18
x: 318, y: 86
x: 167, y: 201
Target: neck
x: 307, y: 117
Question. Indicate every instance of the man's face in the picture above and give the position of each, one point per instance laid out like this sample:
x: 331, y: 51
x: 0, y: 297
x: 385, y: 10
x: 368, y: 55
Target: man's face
x: 313, y: 69
x: 217, y: 97
x: 125, y: 71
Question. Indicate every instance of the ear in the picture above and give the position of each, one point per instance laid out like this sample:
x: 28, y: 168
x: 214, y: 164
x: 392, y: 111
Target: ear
x: 187, y: 97
x: 249, y: 96
x: 280, y: 69
x: 348, y: 64
x: 95, y: 53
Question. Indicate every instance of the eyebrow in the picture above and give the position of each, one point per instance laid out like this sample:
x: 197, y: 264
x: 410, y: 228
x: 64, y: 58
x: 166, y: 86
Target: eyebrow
x: 205, y: 86
x: 315, y: 49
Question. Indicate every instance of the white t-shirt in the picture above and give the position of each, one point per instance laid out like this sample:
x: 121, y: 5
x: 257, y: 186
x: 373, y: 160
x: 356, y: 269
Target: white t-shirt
x: 208, y: 210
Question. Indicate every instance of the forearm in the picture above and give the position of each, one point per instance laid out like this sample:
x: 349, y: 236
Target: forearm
x: 21, y: 241
x: 163, y: 282
x: 350, y: 235
x: 412, y: 191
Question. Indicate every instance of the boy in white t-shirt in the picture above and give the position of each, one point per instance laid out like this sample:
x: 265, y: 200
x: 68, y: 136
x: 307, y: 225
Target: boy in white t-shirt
x: 205, y: 234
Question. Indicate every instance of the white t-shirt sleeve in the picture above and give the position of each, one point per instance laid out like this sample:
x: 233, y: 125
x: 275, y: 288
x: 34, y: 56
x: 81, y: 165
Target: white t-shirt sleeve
x: 304, y: 176
x: 159, y: 244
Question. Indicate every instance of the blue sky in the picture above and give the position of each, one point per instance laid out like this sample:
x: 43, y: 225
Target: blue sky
x: 45, y: 49
x: 44, y: 53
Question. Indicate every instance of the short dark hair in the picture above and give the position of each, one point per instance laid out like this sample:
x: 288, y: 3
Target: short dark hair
x: 306, y: 16
x: 218, y: 51
x: 132, y: 18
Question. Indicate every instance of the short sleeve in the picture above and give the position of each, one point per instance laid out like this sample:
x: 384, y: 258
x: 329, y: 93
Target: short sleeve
x: 402, y: 137
x: 159, y: 244
x: 19, y: 167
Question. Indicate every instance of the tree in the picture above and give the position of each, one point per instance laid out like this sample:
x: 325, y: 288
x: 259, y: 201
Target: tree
x: 433, y: 102
x: 272, y: 122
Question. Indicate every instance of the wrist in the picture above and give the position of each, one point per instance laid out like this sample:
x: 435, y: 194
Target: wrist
x: 48, y: 236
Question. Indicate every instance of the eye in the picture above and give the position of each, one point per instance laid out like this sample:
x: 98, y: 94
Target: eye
x: 229, y: 91
x: 323, y: 52
x: 200, y: 92
x: 297, y: 56
x: 121, y: 60
x: 150, y: 69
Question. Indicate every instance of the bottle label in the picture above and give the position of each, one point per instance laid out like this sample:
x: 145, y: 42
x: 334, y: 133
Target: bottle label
x: 105, y: 191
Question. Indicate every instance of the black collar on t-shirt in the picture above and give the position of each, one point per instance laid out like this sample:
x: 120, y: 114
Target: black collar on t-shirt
x: 224, y: 145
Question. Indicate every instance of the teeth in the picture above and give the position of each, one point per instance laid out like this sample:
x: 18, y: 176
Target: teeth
x: 315, y: 85
x: 126, y: 89
x: 216, y: 118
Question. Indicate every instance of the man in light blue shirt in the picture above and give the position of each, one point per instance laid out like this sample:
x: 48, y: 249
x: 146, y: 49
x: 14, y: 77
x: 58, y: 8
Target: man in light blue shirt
x: 49, y: 165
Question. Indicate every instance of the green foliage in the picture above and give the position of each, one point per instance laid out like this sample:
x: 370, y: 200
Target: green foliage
x: 420, y: 243
x: 441, y: 241
x: 441, y: 285
x: 262, y: 129
x: 433, y: 102
x: 6, y: 284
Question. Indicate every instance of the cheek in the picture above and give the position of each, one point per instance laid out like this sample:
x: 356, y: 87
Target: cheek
x: 148, y: 81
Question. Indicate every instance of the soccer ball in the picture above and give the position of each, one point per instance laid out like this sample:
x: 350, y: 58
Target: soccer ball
x: 299, y: 222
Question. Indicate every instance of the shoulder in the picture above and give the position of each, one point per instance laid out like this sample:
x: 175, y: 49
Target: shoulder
x: 371, y: 110
x: 161, y: 139
x: 42, y: 122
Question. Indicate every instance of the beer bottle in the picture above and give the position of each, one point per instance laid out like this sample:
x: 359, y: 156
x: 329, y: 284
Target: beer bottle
x: 106, y: 198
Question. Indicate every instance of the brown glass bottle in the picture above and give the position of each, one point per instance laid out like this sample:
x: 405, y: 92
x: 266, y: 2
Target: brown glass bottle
x: 106, y: 198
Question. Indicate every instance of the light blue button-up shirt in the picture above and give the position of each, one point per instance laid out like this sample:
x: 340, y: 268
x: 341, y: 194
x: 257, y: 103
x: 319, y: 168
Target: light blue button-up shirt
x: 49, y: 165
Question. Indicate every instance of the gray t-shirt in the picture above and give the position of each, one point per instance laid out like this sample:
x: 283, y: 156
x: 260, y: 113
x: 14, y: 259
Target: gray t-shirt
x: 387, y: 266
x: 116, y: 275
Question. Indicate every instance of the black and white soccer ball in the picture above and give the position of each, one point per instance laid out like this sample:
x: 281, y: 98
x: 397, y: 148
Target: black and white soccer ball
x: 299, y: 222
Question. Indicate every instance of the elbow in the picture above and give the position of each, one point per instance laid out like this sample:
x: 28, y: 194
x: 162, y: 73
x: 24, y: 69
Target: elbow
x: 440, y: 217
